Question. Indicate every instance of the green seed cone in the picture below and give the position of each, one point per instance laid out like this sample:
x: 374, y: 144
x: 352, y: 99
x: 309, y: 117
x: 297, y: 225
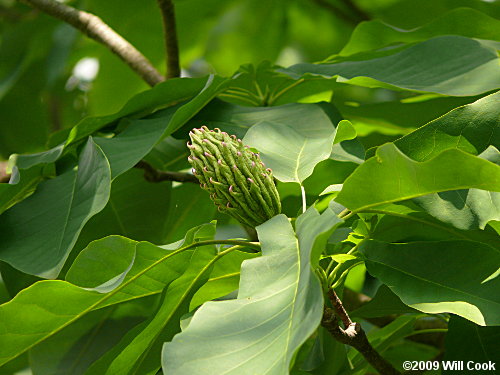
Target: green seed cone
x: 237, y: 180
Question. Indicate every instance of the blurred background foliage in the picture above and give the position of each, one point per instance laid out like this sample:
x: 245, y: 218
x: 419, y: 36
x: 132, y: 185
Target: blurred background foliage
x: 52, y: 76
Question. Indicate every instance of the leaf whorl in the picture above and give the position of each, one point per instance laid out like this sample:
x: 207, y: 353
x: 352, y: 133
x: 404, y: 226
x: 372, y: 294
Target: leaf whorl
x: 237, y: 180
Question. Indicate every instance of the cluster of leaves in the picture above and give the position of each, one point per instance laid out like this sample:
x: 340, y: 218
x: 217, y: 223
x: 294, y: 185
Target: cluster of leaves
x: 90, y: 288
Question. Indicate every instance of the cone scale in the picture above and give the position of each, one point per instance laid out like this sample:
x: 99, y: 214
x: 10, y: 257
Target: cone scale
x: 237, y: 180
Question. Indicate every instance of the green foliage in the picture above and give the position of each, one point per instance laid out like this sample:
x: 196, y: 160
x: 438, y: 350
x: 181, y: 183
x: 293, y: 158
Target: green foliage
x: 386, y: 167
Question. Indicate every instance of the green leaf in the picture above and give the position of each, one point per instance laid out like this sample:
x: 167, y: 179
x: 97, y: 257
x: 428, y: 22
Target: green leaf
x: 470, y: 128
x: 395, y: 117
x: 466, y: 22
x: 28, y: 160
x: 224, y: 278
x: 77, y: 346
x: 409, y: 14
x: 184, y: 200
x: 127, y: 148
x: 12, y: 193
x: 169, y: 155
x: 345, y: 132
x: 128, y: 258
x: 142, y: 354
x: 39, y: 243
x: 415, y: 273
x: 464, y: 209
x: 384, y: 303
x: 407, y: 222
x: 279, y: 305
x: 236, y: 119
x: 292, y: 150
x: 466, y: 341
x: 54, y: 304
x: 450, y: 65
x: 163, y: 95
x: 395, y: 177
x: 136, y: 209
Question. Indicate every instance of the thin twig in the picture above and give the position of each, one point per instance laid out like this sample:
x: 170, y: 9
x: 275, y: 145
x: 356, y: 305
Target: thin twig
x: 353, y: 335
x: 153, y: 175
x: 95, y: 28
x: 170, y: 36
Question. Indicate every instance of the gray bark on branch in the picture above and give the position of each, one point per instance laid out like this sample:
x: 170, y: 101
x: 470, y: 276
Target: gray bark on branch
x: 96, y: 29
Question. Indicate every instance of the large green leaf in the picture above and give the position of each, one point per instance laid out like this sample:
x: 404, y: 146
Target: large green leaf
x: 450, y: 65
x: 80, y: 344
x: 391, y: 176
x: 292, y: 150
x: 279, y: 305
x: 237, y: 119
x: 224, y: 278
x: 169, y: 155
x: 407, y: 222
x: 127, y: 148
x: 142, y: 354
x: 385, y: 302
x: 184, y: 200
x: 461, y: 21
x: 136, y: 209
x: 124, y: 268
x: 409, y: 14
x: 470, y: 128
x: 132, y: 258
x: 464, y: 209
x: 25, y: 183
x: 396, y: 117
x: 466, y: 341
x: 413, y: 273
x: 39, y: 233
x: 169, y: 93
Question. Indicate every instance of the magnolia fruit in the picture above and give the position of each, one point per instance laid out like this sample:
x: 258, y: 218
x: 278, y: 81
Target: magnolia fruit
x: 237, y: 180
